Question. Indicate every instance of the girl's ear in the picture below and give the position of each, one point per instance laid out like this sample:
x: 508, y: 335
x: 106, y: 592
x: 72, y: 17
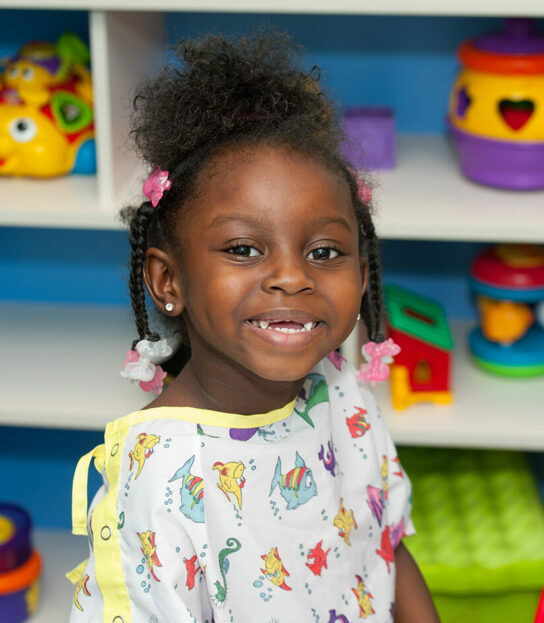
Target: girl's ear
x: 364, y: 275
x: 163, y: 281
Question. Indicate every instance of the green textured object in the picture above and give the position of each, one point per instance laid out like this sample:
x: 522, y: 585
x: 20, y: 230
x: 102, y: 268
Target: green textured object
x: 480, y: 541
x: 512, y: 371
x: 417, y: 316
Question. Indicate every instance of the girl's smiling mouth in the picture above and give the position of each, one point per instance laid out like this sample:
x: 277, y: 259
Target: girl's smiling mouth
x: 285, y: 326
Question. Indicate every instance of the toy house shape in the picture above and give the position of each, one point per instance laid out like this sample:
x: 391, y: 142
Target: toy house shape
x: 421, y: 371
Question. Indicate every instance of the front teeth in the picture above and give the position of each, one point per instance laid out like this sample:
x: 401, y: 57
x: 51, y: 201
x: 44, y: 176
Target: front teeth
x: 263, y: 324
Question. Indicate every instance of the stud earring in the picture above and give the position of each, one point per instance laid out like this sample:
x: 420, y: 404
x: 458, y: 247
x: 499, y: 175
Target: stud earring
x: 169, y: 307
x: 358, y: 317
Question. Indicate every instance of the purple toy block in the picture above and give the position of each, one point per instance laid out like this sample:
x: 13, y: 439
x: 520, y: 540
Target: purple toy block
x: 370, y: 138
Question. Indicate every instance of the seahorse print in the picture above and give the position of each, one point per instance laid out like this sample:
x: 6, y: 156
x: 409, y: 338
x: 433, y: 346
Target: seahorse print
x: 233, y: 545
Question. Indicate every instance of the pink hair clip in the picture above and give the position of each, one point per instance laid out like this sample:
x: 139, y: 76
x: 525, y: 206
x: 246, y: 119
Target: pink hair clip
x: 156, y: 184
x: 378, y: 356
x: 364, y: 192
x: 141, y: 367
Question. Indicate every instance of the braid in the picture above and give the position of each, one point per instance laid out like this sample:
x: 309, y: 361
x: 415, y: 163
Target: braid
x: 138, y: 242
x: 372, y: 307
x: 372, y: 303
x: 375, y: 288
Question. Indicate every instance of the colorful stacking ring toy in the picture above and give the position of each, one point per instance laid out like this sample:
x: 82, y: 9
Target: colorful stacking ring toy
x: 496, y: 109
x: 20, y: 566
x: 509, y: 283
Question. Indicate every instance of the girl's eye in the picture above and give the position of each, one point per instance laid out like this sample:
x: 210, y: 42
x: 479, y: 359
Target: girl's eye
x: 323, y: 253
x: 244, y: 250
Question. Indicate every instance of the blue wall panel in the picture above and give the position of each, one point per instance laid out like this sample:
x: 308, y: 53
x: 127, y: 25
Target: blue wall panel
x: 408, y: 63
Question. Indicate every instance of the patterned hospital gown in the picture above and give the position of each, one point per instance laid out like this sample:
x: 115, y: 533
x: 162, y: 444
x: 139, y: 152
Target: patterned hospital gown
x: 292, y: 515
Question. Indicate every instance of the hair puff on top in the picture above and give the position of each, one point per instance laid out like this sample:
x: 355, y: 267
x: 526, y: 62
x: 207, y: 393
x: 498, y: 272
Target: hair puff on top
x: 215, y: 90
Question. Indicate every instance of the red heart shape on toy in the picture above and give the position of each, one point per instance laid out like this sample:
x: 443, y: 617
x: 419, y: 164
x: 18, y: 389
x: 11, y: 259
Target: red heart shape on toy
x: 516, y: 114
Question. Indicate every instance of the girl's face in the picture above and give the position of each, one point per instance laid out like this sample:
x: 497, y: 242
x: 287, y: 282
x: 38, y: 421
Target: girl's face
x: 269, y: 270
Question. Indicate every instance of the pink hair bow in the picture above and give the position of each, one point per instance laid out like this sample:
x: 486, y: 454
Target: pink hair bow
x: 141, y: 367
x: 378, y: 356
x: 364, y: 192
x: 156, y: 184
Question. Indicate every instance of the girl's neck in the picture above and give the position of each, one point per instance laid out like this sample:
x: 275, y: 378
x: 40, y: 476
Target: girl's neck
x: 227, y: 390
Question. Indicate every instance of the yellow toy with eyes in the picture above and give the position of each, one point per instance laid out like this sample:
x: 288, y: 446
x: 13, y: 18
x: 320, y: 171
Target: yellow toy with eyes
x: 41, y: 65
x: 46, y: 119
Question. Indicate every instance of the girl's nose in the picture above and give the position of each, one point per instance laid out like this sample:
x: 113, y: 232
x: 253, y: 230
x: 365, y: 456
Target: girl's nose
x: 288, y: 274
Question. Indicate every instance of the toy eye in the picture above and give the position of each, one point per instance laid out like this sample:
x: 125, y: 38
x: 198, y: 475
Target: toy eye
x: 23, y: 129
x: 13, y: 72
x: 27, y: 73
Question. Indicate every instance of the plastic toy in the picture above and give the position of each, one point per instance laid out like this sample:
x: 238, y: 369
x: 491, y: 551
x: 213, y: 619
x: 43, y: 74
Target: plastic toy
x: 46, y: 114
x: 20, y: 566
x: 480, y: 533
x: 508, y: 281
x: 421, y: 371
x: 539, y: 616
x: 370, y: 138
x: 496, y: 109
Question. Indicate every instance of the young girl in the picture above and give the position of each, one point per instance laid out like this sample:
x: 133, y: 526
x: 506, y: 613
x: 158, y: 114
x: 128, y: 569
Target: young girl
x: 261, y: 485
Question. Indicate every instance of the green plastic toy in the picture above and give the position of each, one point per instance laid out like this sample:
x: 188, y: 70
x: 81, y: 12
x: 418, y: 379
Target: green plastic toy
x: 480, y: 540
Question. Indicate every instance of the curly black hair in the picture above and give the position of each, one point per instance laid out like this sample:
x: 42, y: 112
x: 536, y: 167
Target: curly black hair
x: 220, y: 93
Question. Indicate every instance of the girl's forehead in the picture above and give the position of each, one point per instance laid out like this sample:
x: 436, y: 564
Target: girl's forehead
x: 270, y: 179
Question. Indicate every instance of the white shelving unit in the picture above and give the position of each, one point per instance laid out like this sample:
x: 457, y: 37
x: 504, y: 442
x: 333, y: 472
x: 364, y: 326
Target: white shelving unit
x: 60, y: 553
x: 127, y: 45
x: 350, y: 7
x: 77, y: 353
x: 425, y: 197
x: 446, y: 206
x: 74, y: 354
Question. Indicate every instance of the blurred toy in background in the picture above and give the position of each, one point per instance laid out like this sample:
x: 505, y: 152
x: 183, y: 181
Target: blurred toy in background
x: 421, y: 372
x: 46, y: 111
x: 20, y: 566
x: 539, y: 616
x: 508, y: 281
x: 480, y: 538
x: 41, y: 65
x: 496, y: 109
x: 370, y: 138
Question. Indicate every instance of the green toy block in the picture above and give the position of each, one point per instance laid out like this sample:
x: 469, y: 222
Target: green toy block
x: 418, y: 316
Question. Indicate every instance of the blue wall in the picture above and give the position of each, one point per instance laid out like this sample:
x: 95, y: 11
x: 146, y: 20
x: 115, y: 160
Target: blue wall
x: 406, y: 62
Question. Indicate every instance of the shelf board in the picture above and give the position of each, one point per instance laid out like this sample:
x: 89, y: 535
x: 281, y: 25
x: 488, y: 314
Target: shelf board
x: 487, y: 412
x: 424, y: 198
x: 70, y: 201
x: 60, y: 552
x: 350, y: 7
x: 65, y: 363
